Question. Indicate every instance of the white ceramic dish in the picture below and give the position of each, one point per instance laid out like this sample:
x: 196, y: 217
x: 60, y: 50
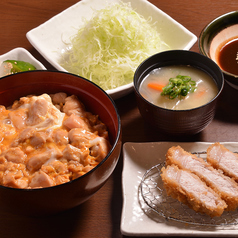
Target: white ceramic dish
x: 23, y: 55
x: 48, y: 37
x: 137, y: 219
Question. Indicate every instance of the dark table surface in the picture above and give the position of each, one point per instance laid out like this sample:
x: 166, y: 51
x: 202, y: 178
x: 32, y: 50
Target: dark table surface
x: 101, y: 215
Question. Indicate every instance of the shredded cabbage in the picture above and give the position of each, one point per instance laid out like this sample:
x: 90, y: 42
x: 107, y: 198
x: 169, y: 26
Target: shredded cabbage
x: 109, y: 47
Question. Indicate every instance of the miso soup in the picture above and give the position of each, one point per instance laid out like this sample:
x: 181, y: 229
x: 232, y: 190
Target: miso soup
x: 152, y: 85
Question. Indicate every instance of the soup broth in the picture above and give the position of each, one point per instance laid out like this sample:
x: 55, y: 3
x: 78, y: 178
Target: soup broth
x: 205, y: 91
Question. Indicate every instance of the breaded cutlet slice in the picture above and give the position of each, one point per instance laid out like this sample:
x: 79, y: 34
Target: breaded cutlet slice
x: 226, y: 187
x: 189, y: 189
x: 222, y: 158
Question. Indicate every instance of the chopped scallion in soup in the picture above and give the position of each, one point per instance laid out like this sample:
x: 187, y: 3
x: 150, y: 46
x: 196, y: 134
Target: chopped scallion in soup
x: 179, y: 86
x: 191, y: 86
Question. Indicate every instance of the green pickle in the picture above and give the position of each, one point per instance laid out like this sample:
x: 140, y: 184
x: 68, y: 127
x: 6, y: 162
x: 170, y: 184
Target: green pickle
x: 19, y: 66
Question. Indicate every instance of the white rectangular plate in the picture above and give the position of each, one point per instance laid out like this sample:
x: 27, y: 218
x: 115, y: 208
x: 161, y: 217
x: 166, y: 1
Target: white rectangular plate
x: 137, y: 159
x: 49, y: 37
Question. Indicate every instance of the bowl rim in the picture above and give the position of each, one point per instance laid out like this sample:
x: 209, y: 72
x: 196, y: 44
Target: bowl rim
x: 117, y: 139
x: 210, y: 25
x: 173, y: 110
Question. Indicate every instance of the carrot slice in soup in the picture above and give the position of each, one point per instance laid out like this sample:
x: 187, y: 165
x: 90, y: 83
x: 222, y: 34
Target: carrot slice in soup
x: 156, y: 86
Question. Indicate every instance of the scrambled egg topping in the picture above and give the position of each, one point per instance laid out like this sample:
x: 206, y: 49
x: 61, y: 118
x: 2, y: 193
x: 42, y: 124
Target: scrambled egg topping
x: 48, y: 140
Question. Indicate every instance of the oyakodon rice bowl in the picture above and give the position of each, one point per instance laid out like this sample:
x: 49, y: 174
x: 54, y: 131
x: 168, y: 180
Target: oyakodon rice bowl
x: 48, y: 140
x: 74, y: 189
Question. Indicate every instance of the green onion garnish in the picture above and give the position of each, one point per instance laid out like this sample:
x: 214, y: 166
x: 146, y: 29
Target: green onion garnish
x: 179, y: 86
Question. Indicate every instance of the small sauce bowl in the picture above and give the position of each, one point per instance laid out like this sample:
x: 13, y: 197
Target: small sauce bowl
x: 215, y: 36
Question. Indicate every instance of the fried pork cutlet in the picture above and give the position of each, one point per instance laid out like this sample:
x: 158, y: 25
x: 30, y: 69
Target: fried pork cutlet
x: 192, y: 191
x: 222, y: 158
x: 226, y: 187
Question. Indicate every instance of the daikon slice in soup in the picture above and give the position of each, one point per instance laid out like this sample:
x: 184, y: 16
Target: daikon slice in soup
x: 205, y: 88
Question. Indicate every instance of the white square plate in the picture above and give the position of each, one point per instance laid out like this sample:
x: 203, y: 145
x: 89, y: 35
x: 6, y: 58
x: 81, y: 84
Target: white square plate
x: 137, y: 219
x: 49, y: 37
x: 22, y: 55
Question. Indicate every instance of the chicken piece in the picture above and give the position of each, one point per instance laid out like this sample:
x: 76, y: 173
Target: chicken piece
x: 80, y: 138
x: 54, y: 168
x: 100, y: 147
x: 42, y: 113
x: 192, y: 191
x: 222, y: 158
x: 101, y: 129
x: 75, y: 166
x: 41, y: 180
x: 60, y: 137
x: 26, y: 134
x: 223, y: 185
x: 38, y: 139
x: 74, y: 121
x: 93, y: 119
x: 14, y: 180
x: 36, y: 161
x: 73, y: 106
x: 59, y: 98
x: 13, y: 175
x: 18, y: 118
x: 73, y: 153
x: 37, y: 111
x: 96, y: 125
x: 2, y: 109
x: 15, y: 155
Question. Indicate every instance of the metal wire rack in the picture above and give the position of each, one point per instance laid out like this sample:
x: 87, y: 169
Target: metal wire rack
x: 154, y: 195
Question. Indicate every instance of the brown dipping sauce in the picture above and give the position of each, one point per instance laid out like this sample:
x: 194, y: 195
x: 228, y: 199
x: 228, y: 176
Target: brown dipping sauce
x: 228, y: 56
